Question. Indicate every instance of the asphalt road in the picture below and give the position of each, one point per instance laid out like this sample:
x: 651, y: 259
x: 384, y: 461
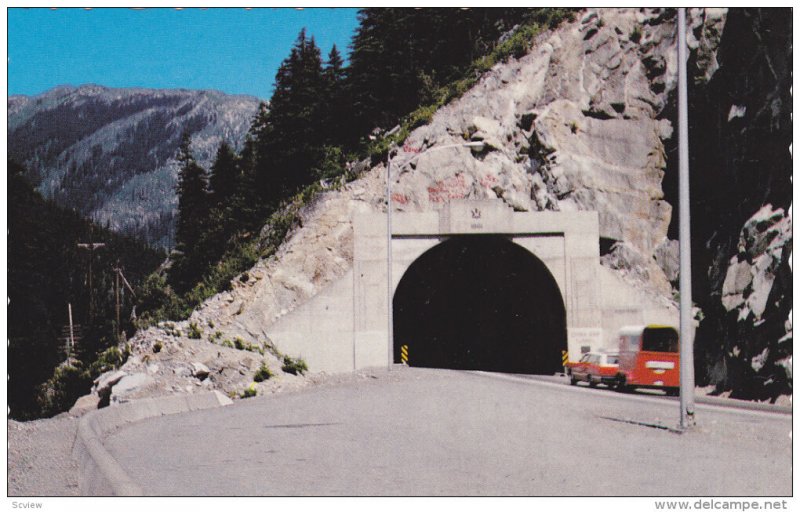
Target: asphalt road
x: 436, y: 432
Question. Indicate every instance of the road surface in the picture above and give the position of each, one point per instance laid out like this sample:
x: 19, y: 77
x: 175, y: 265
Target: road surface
x: 438, y: 432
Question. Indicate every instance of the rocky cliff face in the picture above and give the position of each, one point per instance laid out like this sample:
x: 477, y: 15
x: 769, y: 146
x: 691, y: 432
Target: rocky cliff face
x: 740, y: 134
x: 575, y: 125
x: 583, y: 122
x: 109, y: 153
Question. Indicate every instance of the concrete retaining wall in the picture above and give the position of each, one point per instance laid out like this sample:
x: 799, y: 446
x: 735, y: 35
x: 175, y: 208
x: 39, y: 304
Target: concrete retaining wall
x: 101, y: 475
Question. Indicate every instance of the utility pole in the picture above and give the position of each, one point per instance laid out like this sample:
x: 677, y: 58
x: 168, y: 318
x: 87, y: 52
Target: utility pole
x: 71, y: 345
x: 116, y: 296
x: 91, y: 246
x: 687, y: 419
x: 119, y: 280
x: 72, y: 335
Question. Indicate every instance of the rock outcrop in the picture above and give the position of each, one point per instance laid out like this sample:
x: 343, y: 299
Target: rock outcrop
x: 758, y: 358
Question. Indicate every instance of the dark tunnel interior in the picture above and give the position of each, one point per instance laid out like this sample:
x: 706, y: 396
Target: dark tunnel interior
x: 480, y: 302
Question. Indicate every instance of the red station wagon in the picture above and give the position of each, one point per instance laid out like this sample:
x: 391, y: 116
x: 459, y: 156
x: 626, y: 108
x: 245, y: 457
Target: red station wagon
x: 594, y: 368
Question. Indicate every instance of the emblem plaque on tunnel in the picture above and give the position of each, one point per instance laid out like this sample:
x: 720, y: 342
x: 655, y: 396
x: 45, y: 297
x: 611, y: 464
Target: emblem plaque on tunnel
x: 476, y: 213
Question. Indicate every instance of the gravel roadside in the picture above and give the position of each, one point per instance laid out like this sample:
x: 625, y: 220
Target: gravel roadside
x: 40, y: 459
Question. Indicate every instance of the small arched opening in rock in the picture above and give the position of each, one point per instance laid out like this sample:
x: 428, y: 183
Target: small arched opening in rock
x: 480, y: 302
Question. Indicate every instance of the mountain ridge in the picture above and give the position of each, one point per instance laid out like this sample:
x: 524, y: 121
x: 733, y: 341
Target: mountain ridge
x: 108, y: 153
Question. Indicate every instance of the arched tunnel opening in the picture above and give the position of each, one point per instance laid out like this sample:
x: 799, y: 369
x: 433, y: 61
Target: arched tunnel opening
x: 479, y: 302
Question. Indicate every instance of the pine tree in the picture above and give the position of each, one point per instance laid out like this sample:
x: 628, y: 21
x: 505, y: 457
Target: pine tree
x: 220, y: 221
x: 248, y: 203
x: 224, y: 175
x: 290, y: 146
x: 193, y: 210
x: 333, y: 107
x: 370, y: 73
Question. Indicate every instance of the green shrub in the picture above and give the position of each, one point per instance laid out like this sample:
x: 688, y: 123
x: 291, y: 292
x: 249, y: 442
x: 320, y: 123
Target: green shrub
x: 251, y: 391
x: 515, y: 46
x: 636, y: 34
x: 294, y: 366
x: 239, y: 343
x: 332, y: 165
x: 195, y: 332
x: 60, y: 391
x: 72, y: 380
x: 157, y: 302
x: 110, y: 359
x: 421, y: 116
x: 172, y: 330
x: 262, y: 374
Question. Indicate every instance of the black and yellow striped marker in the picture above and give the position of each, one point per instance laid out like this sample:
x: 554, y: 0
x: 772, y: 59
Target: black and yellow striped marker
x: 564, y: 357
x: 404, y: 354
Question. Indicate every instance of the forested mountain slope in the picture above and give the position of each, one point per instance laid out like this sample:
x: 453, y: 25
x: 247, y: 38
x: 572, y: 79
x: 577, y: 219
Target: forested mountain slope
x: 109, y: 154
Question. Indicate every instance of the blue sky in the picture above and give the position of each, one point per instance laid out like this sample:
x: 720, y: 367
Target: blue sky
x: 236, y: 51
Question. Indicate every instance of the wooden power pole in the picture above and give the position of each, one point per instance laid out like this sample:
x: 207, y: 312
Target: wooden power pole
x: 119, y: 280
x: 71, y: 346
x: 91, y: 246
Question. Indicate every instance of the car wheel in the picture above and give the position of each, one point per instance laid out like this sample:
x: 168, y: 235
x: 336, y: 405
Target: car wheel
x: 673, y: 391
x: 620, y: 386
x: 592, y: 383
x: 573, y: 381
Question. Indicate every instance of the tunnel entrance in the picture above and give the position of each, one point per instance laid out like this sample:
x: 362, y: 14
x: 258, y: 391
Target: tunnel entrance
x: 480, y: 302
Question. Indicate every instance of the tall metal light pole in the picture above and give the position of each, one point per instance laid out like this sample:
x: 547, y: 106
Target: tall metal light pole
x: 390, y: 309
x: 686, y: 328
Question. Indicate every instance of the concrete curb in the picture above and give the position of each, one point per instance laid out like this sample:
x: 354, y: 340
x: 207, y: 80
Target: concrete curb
x: 101, y: 475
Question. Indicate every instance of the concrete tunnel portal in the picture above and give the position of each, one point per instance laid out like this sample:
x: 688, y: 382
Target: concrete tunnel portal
x: 480, y: 302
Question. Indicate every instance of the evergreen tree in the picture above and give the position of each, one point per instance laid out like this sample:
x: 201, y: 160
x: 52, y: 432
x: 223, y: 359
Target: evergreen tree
x: 291, y: 146
x: 370, y: 77
x: 224, y: 175
x: 192, y: 214
x: 220, y: 222
x: 247, y: 207
x: 334, y: 68
x: 333, y: 107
